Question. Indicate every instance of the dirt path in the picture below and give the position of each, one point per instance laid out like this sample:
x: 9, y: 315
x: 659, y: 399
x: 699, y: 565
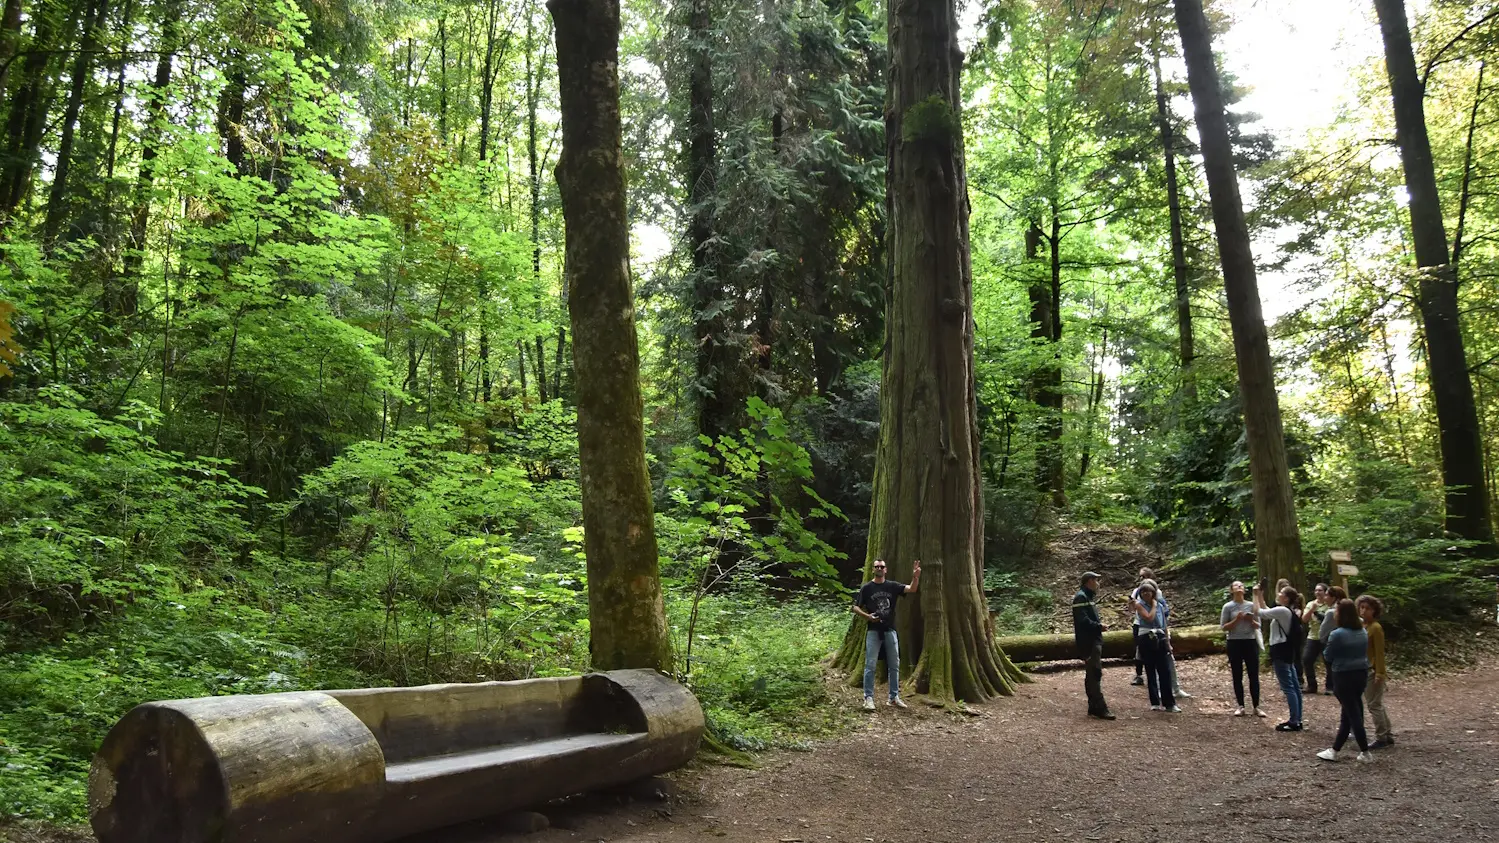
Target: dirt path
x: 1033, y: 768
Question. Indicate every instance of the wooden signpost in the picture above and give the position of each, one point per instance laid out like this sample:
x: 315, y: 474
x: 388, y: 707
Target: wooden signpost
x: 1342, y: 568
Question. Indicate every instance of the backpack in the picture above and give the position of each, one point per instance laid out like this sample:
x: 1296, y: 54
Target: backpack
x: 1285, y: 651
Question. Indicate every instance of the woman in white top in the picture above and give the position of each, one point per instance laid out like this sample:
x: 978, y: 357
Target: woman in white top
x: 1283, y: 623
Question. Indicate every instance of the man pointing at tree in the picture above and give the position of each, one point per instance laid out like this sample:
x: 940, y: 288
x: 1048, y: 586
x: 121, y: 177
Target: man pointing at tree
x: 876, y: 604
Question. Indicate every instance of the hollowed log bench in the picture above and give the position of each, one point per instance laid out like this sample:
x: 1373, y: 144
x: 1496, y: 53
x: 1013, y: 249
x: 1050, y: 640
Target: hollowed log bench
x: 374, y: 765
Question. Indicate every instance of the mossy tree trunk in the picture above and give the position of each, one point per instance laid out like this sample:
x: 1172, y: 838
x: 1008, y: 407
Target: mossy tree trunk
x: 1277, y: 538
x: 626, y: 616
x: 928, y: 503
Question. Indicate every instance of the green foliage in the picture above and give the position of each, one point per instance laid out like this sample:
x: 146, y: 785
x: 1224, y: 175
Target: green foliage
x: 932, y: 120
x: 757, y: 668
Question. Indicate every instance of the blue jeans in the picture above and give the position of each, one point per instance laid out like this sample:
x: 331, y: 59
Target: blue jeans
x: 872, y: 655
x: 1290, y: 685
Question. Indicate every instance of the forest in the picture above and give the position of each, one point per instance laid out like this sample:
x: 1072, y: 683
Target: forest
x: 291, y: 380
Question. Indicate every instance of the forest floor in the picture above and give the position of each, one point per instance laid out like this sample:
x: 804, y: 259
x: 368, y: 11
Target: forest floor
x: 1033, y: 767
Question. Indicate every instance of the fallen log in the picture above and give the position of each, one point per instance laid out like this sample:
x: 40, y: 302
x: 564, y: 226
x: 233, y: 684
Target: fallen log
x: 1117, y: 644
x: 373, y: 765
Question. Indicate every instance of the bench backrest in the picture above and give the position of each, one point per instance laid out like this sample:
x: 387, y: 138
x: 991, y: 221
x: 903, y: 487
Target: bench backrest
x: 433, y: 720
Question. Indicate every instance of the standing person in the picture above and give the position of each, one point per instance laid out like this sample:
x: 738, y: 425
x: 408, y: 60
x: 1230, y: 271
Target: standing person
x: 1283, y: 622
x: 1298, y: 642
x: 1312, y: 620
x: 1151, y: 610
x: 1242, y: 624
x: 1329, y: 623
x: 1347, y: 655
x: 876, y: 604
x: 1176, y: 686
x: 1370, y: 610
x: 1087, y: 632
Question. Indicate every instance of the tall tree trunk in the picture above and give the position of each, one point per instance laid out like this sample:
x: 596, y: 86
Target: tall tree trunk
x: 541, y: 371
x: 1276, y: 536
x: 627, y: 621
x: 10, y: 41
x: 123, y: 299
x: 27, y: 119
x: 715, y: 408
x: 1046, y: 382
x: 83, y: 65
x: 928, y: 501
x: 1446, y: 359
x: 1187, y: 342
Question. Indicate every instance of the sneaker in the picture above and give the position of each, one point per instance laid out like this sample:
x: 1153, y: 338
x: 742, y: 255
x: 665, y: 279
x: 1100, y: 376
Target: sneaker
x: 1258, y: 712
x: 1181, y: 695
x: 1382, y: 743
x: 897, y: 702
x: 1328, y: 755
x: 1175, y: 709
x: 869, y: 703
x: 1365, y: 757
x: 1156, y: 708
x: 1139, y: 680
x: 1239, y: 712
x: 1287, y: 726
x: 1107, y: 715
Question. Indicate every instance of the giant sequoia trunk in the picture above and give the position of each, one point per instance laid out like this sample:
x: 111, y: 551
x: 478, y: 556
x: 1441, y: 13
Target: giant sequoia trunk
x: 626, y: 616
x: 1276, y: 536
x: 928, y: 504
x: 1446, y: 359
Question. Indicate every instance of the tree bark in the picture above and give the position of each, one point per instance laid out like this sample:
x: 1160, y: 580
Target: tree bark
x: 928, y: 501
x: 1187, y: 342
x: 1276, y: 535
x: 10, y: 41
x: 1446, y: 359
x: 626, y: 615
x: 83, y: 65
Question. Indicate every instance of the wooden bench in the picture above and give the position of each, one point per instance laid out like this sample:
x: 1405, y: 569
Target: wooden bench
x: 373, y: 765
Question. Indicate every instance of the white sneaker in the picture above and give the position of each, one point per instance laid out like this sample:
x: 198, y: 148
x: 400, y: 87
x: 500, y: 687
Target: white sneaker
x: 1157, y: 708
x: 1239, y: 711
x: 897, y: 702
x: 1180, y: 694
x: 869, y: 703
x: 1175, y: 709
x: 1259, y: 713
x: 1365, y: 757
x: 1328, y: 755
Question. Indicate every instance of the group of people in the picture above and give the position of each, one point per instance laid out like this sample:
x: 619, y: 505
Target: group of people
x: 1344, y: 634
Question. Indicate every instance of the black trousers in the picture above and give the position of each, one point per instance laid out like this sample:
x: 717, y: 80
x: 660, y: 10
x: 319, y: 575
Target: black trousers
x: 1310, y: 655
x: 1157, y: 669
x: 1349, y: 689
x: 1092, y: 656
x: 1244, y: 656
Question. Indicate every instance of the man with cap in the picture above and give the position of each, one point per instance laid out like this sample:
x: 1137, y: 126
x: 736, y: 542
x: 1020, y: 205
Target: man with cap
x: 1087, y: 631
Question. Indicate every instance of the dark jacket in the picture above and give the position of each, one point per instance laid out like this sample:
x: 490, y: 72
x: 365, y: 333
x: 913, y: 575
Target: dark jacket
x: 1087, y: 628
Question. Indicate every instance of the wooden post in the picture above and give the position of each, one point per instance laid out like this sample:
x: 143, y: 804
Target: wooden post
x: 1341, y: 568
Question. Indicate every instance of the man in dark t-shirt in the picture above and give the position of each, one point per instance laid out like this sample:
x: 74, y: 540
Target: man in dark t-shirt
x: 876, y: 604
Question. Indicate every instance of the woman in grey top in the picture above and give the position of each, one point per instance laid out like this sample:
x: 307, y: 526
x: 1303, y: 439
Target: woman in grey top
x: 1242, y: 627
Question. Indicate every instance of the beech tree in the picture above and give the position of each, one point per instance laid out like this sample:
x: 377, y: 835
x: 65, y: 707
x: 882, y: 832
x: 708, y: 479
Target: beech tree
x: 1277, y: 538
x: 928, y: 501
x: 627, y: 621
x: 1436, y: 297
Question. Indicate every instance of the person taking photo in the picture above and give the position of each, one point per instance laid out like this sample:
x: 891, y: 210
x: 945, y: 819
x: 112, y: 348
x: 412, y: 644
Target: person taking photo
x: 876, y: 604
